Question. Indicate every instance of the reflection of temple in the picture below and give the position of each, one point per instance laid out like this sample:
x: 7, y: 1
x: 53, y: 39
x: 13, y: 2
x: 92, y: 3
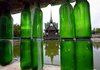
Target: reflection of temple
x: 51, y: 30
x: 96, y: 44
x: 51, y: 48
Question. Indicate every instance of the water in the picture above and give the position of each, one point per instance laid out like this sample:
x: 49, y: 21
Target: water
x: 52, y: 53
x: 96, y: 55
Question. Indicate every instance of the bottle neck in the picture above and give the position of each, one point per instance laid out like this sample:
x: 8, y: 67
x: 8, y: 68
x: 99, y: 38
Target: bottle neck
x: 5, y: 11
x: 26, y: 6
x: 36, y: 4
x: 80, y: 0
x: 67, y: 1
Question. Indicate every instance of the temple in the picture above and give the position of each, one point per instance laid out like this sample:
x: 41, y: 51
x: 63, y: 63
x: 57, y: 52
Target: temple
x: 51, y: 30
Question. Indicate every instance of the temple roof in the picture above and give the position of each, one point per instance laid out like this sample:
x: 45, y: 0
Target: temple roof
x: 52, y: 26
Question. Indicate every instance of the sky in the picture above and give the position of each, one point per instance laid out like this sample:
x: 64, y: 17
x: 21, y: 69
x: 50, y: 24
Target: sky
x: 94, y: 11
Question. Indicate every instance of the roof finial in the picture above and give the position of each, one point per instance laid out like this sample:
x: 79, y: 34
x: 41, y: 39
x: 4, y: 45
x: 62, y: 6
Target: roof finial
x: 51, y: 20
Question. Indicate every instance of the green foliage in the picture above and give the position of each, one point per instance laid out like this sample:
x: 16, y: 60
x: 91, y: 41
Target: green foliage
x: 96, y: 31
x: 16, y: 30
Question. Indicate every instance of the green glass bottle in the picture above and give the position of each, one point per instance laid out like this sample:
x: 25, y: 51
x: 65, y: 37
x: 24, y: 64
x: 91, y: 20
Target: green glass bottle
x: 37, y: 54
x: 26, y: 21
x: 66, y: 21
x: 25, y: 54
x: 82, y: 19
x: 6, y: 54
x: 37, y: 22
x: 84, y: 55
x: 6, y: 24
x: 67, y: 50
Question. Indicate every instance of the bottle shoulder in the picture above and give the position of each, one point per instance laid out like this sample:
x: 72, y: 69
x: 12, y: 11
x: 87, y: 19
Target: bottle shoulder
x: 82, y: 3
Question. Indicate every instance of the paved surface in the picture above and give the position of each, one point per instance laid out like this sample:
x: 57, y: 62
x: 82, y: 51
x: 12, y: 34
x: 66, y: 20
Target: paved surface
x: 16, y: 66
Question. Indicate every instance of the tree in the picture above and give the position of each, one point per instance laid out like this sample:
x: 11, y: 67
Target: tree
x: 16, y: 30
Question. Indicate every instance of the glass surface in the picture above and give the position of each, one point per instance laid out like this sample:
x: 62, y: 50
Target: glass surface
x: 66, y: 21
x: 6, y: 52
x: 6, y: 26
x: 37, y: 54
x: 84, y: 55
x: 82, y: 20
x: 37, y: 23
x: 25, y: 54
x: 67, y: 57
x: 26, y: 22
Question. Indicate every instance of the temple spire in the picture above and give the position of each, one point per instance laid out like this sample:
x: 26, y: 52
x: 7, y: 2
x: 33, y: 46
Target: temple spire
x: 51, y: 20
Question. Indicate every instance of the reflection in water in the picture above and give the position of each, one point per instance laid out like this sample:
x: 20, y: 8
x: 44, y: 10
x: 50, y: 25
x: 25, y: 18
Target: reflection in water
x: 96, y: 45
x: 96, y: 54
x: 51, y: 49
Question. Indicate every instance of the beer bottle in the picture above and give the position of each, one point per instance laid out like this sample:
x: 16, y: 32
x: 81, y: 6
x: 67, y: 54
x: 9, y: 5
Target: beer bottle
x: 37, y: 22
x: 82, y: 19
x: 37, y: 54
x: 6, y: 54
x: 26, y: 21
x: 66, y: 21
x: 25, y: 54
x: 6, y: 23
x: 67, y: 50
x: 84, y: 55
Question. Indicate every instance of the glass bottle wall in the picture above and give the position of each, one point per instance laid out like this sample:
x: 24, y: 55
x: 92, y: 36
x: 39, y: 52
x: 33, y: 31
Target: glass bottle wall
x: 30, y: 34
x: 66, y: 21
x: 84, y: 55
x: 6, y: 35
x: 67, y: 50
x: 82, y: 19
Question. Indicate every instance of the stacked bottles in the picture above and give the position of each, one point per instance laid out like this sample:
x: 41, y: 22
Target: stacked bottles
x: 67, y: 50
x: 37, y: 35
x: 31, y: 53
x: 83, y: 47
x: 6, y: 35
x: 66, y: 21
x: 25, y: 51
x: 82, y: 19
x: 67, y: 34
x: 84, y: 52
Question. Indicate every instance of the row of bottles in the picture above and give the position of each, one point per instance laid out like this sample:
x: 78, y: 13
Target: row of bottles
x: 75, y: 22
x: 6, y: 35
x: 31, y: 52
x: 29, y: 30
x: 76, y: 55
